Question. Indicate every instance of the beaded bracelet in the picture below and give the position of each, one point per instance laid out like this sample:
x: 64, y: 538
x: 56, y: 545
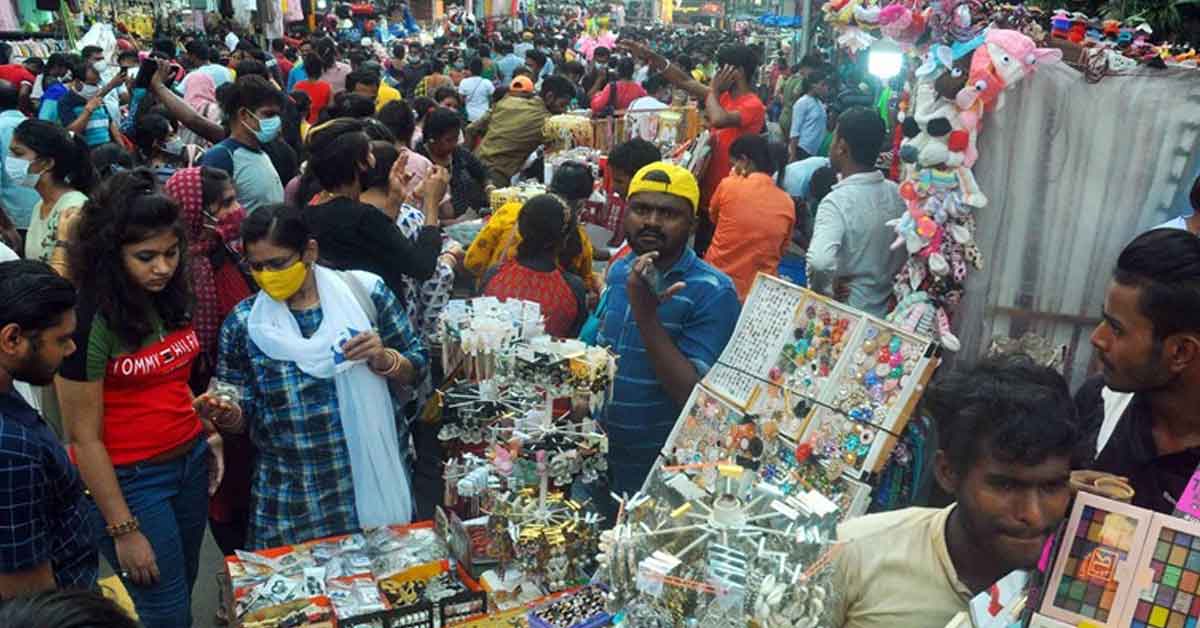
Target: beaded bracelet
x: 121, y: 529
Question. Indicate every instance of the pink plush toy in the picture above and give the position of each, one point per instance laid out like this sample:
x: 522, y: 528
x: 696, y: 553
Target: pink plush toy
x: 1005, y: 58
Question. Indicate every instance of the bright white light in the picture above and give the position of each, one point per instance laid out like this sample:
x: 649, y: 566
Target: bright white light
x: 884, y: 59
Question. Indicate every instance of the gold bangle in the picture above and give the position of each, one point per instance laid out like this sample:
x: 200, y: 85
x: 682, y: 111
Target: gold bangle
x: 381, y: 371
x: 394, y: 360
x: 397, y: 364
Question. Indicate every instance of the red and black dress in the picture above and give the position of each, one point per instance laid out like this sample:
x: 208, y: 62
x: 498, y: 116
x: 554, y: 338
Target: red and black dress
x: 561, y: 295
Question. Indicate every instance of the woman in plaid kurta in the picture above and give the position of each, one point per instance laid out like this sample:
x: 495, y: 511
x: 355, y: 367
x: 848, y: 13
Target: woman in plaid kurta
x: 302, y: 487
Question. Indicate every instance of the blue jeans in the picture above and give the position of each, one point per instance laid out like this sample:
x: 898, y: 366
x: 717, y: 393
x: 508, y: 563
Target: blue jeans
x: 170, y: 501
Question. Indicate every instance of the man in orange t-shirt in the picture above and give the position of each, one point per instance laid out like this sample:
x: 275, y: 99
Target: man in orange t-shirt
x: 730, y: 106
x: 753, y: 216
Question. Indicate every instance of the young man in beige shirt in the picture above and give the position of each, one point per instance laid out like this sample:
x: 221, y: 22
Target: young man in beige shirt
x: 1007, y: 430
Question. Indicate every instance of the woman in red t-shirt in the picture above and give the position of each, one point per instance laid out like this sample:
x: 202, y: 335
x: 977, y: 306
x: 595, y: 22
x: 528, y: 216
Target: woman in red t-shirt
x: 319, y: 92
x: 129, y: 415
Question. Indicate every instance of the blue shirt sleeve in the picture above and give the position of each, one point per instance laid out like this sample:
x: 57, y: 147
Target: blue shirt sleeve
x: 798, y: 112
x: 24, y: 539
x: 233, y: 363
x: 708, y: 329
x: 295, y: 76
x: 219, y: 156
x: 135, y: 99
x: 66, y: 111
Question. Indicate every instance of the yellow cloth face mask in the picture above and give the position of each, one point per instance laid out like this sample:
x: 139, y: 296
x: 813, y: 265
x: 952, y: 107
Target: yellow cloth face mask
x: 282, y: 284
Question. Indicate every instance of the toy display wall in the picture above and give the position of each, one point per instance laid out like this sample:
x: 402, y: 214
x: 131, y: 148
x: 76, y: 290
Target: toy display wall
x: 1073, y: 171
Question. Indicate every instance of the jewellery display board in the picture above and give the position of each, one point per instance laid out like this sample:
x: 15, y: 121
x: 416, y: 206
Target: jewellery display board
x: 816, y: 371
x: 773, y: 448
x: 517, y: 430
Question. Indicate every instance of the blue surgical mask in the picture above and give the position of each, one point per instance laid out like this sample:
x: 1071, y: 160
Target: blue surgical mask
x: 18, y: 172
x: 173, y: 146
x: 268, y: 128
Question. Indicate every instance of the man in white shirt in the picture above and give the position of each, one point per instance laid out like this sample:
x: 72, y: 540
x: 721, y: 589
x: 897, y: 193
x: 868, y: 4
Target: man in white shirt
x: 476, y: 90
x: 1189, y: 222
x: 658, y: 95
x: 851, y: 242
x: 1007, y: 433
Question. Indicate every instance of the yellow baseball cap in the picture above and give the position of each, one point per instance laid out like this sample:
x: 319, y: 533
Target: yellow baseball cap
x: 521, y: 84
x: 661, y: 176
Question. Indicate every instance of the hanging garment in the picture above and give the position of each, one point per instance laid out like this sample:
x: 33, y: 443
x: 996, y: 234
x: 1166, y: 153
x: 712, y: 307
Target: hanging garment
x: 293, y: 11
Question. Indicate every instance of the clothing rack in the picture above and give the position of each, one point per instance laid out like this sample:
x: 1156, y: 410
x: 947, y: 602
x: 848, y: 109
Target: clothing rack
x: 17, y: 35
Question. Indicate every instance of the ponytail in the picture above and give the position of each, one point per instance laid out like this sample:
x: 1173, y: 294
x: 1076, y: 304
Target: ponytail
x: 82, y: 175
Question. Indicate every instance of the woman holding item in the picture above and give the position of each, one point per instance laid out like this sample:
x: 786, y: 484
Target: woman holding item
x: 311, y: 356
x: 212, y: 216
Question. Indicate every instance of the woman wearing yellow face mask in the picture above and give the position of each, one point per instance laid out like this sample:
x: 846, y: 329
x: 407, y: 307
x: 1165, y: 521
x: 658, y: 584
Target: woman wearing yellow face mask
x: 311, y: 356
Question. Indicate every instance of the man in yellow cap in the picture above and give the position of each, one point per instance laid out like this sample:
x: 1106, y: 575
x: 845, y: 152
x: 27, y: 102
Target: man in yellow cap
x: 667, y: 315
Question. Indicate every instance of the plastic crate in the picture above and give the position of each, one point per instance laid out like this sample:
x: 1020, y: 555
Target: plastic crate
x: 595, y: 621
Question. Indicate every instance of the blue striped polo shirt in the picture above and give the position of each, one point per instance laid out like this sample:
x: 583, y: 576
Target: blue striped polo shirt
x: 700, y: 319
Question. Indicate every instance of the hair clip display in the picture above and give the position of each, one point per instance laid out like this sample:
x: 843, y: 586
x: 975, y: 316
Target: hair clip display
x: 518, y: 432
x: 738, y: 551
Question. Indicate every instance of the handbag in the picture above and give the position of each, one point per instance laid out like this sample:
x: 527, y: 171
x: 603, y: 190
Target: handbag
x: 591, y: 327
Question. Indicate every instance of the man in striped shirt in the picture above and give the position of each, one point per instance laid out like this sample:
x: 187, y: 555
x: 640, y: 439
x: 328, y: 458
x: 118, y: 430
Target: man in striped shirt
x: 667, y: 316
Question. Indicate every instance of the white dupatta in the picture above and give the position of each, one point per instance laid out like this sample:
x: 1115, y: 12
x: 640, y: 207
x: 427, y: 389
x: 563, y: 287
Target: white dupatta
x: 382, y: 490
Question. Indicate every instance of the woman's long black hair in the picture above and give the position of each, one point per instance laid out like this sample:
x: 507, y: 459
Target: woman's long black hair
x: 125, y: 209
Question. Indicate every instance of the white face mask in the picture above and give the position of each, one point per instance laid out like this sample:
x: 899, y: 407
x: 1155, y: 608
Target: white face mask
x: 100, y: 66
x: 18, y: 172
x: 88, y: 91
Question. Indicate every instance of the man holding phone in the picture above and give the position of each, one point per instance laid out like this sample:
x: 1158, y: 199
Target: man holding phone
x: 667, y: 315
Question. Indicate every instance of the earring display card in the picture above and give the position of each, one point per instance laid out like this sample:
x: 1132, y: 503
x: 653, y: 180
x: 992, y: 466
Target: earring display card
x: 765, y: 325
x: 1167, y: 577
x: 1094, y: 573
x: 876, y: 387
x: 804, y: 379
x: 711, y: 431
x: 703, y: 436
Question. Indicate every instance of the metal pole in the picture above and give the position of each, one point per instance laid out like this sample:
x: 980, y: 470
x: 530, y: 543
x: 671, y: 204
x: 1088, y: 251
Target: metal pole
x: 806, y: 15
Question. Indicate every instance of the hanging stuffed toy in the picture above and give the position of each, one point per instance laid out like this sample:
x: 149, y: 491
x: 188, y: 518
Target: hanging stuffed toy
x: 956, y: 85
x: 1005, y: 58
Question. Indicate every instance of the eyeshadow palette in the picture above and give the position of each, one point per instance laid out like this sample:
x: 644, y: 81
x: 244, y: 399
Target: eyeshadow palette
x: 1090, y: 581
x: 1167, y: 578
x: 1120, y: 566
